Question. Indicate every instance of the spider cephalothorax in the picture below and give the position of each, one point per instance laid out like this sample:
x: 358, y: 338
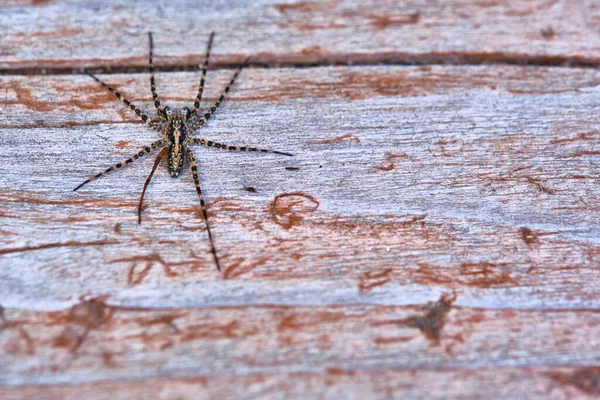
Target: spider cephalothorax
x: 177, y: 133
x: 177, y: 130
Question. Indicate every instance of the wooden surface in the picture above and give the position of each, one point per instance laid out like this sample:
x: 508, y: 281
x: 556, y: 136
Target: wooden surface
x: 435, y: 236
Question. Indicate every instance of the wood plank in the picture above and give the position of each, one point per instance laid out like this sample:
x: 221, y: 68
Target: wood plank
x: 401, y: 194
x: 94, y: 343
x: 75, y: 35
x: 530, y: 383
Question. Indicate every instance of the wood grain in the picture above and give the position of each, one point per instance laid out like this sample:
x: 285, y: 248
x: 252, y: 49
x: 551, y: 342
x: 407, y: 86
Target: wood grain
x: 434, y: 236
x: 469, y: 191
x: 218, y: 342
x: 113, y: 34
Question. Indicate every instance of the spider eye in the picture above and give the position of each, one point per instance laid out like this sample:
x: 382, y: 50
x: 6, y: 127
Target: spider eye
x: 185, y: 113
x: 167, y: 111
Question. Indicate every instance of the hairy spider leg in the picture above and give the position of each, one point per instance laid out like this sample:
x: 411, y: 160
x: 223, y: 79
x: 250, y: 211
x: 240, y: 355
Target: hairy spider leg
x: 159, y: 157
x: 152, y: 82
x: 137, y: 155
x: 127, y: 103
x: 198, y: 124
x: 216, y: 145
x: 203, y: 77
x: 194, y: 169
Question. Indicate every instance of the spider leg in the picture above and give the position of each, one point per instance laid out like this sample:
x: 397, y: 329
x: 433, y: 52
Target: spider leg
x: 140, y: 114
x: 210, y: 143
x: 152, y: 82
x: 202, y: 79
x: 137, y: 155
x: 194, y: 169
x: 156, y: 162
x: 198, y: 124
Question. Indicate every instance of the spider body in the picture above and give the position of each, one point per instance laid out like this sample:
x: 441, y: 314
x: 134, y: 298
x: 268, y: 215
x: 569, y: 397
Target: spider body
x: 177, y: 131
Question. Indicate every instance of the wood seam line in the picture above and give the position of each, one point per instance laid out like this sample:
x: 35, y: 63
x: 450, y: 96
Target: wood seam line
x: 394, y: 59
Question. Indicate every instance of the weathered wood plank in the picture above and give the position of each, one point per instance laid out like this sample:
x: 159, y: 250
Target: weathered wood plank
x: 113, y: 34
x: 216, y: 344
x: 401, y: 193
x: 530, y: 383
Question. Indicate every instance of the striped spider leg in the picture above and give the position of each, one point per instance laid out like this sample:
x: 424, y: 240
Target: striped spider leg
x: 177, y: 129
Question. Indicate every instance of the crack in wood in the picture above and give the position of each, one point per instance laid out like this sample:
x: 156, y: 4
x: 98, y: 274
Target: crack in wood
x: 265, y: 60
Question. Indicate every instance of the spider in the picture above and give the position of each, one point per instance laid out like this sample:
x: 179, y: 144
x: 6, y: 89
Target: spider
x: 177, y: 130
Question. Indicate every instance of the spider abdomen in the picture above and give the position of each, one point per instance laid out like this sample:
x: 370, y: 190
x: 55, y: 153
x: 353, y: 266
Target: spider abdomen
x: 175, y: 158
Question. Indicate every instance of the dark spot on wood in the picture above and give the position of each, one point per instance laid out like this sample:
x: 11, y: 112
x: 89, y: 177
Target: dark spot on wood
x: 586, y: 379
x: 547, y: 33
x: 249, y: 189
x: 107, y: 358
x: 288, y: 209
x: 90, y: 314
x: 292, y: 168
x: 529, y: 236
x: 432, y: 323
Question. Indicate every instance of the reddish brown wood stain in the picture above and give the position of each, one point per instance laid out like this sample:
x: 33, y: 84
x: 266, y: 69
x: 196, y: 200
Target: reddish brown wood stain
x: 16, y: 347
x: 392, y: 21
x: 243, y: 266
x: 26, y: 97
x: 485, y: 275
x: 303, y: 7
x: 480, y: 275
x: 136, y: 275
x: 529, y: 236
x: 585, y: 379
x: 82, y: 318
x: 338, y: 139
x: 371, y: 279
x: 389, y: 163
x: 289, y: 209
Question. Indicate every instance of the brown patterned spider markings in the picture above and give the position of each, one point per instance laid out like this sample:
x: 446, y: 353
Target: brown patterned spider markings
x: 178, y: 130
